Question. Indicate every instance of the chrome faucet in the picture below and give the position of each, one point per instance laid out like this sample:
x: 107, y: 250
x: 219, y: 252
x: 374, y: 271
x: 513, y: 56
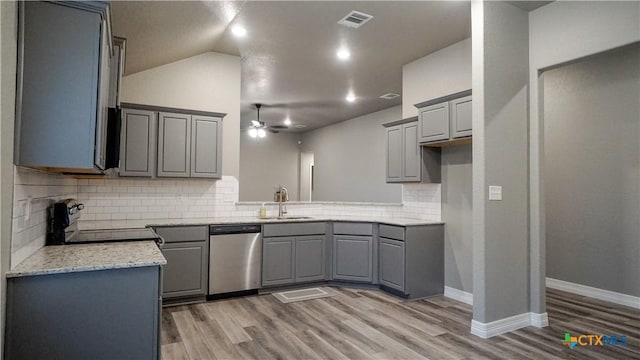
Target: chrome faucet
x: 283, y: 196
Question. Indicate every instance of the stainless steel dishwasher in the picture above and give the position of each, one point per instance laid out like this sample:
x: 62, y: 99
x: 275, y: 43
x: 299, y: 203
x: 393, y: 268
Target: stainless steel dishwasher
x: 235, y: 258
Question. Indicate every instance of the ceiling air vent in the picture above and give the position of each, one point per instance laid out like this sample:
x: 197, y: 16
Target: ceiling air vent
x: 389, y: 96
x: 355, y: 19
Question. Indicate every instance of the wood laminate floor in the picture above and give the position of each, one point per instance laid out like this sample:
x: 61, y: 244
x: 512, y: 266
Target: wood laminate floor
x: 369, y: 324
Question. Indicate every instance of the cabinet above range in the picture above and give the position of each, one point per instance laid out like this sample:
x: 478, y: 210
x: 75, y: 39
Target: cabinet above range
x: 63, y: 85
x: 170, y: 142
x: 445, y: 121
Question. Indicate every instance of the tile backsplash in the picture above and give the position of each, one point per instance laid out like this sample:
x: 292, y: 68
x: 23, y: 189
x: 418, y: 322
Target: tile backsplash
x: 132, y: 202
x: 34, y: 191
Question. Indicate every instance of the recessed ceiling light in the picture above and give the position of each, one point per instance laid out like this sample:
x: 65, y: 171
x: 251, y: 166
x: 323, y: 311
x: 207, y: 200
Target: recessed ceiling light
x: 343, y: 54
x: 287, y: 121
x: 351, y: 98
x: 239, y: 31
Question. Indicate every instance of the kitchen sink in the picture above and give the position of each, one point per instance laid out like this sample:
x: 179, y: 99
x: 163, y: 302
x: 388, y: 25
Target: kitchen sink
x: 287, y: 218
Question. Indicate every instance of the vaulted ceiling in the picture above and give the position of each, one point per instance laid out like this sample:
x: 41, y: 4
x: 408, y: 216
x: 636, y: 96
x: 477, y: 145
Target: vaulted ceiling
x: 288, y: 56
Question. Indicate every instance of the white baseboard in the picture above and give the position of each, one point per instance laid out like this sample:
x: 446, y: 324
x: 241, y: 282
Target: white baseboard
x: 539, y: 320
x: 606, y: 295
x: 458, y: 295
x: 498, y: 327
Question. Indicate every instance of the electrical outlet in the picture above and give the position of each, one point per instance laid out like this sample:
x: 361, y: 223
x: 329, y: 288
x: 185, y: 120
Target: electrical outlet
x: 495, y: 193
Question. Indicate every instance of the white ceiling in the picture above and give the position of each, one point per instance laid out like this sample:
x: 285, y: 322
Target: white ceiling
x: 288, y: 56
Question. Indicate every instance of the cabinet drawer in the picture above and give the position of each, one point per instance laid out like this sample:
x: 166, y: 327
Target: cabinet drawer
x: 174, y: 234
x: 392, y: 232
x: 314, y: 228
x: 343, y: 228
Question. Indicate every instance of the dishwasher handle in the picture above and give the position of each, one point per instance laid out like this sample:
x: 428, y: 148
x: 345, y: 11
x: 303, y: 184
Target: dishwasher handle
x: 234, y: 229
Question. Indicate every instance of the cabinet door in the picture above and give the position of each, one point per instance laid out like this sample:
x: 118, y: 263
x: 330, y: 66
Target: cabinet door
x: 174, y: 145
x: 352, y: 258
x: 57, y: 94
x: 394, y: 153
x: 137, y: 142
x: 410, y: 153
x: 103, y: 97
x: 278, y: 261
x: 461, y: 117
x: 205, y: 147
x: 434, y: 122
x: 185, y: 273
x: 310, y: 258
x: 392, y: 263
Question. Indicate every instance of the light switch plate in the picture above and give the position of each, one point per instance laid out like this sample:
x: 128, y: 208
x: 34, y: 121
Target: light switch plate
x: 495, y: 192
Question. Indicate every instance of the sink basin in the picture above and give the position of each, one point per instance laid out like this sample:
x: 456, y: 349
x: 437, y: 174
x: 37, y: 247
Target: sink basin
x: 287, y: 218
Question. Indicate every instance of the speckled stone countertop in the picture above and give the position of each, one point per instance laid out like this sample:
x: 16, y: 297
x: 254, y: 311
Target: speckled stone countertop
x: 89, y: 257
x: 272, y: 220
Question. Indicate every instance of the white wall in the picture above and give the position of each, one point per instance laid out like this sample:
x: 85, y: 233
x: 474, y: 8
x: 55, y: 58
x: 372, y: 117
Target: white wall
x: 208, y: 82
x: 560, y: 32
x: 8, y: 51
x: 349, y: 159
x: 444, y: 72
x: 268, y: 163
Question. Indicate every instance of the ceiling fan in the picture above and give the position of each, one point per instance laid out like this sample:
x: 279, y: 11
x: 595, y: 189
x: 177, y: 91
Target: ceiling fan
x: 258, y: 128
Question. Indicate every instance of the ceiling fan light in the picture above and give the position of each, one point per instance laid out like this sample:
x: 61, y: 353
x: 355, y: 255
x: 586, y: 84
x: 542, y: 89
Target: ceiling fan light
x: 261, y: 133
x: 253, y: 132
x: 255, y: 123
x: 287, y: 121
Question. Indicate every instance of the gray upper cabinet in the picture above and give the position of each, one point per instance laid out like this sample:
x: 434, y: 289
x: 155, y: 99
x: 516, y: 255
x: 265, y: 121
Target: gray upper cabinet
x: 446, y: 121
x: 394, y: 153
x: 174, y: 145
x: 411, y: 153
x: 206, y: 138
x: 461, y: 117
x: 406, y: 160
x: 117, y: 69
x: 137, y: 143
x: 169, y: 142
x: 434, y: 122
x: 62, y: 85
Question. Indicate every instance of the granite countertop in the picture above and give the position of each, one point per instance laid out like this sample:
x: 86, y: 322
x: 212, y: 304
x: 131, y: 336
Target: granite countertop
x: 89, y: 257
x: 271, y: 220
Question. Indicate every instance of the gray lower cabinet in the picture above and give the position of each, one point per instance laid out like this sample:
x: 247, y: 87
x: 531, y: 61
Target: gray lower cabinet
x: 353, y: 258
x: 411, y: 259
x: 62, y: 85
x: 105, y: 314
x: 137, y: 142
x: 293, y: 253
x: 278, y: 266
x: 185, y: 273
x: 310, y: 258
x: 392, y: 263
x: 186, y: 249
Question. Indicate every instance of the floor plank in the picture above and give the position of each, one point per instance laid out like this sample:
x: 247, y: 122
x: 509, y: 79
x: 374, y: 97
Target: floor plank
x: 368, y: 324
